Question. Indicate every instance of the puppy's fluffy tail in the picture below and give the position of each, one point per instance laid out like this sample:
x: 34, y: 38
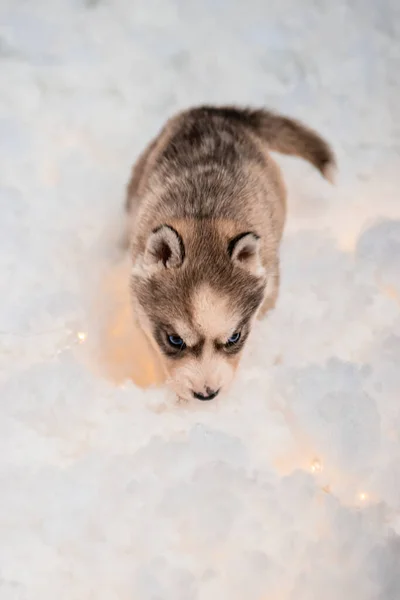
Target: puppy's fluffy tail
x: 285, y: 135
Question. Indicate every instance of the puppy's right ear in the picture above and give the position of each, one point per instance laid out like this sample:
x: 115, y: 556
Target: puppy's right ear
x: 164, y: 249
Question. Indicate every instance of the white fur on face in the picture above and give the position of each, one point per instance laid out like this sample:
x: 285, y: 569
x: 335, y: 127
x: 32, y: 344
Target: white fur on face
x: 215, y: 320
x: 212, y: 315
x: 212, y: 370
x: 186, y: 332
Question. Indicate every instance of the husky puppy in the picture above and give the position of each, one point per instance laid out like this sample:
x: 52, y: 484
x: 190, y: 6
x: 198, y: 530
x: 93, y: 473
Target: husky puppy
x: 206, y: 208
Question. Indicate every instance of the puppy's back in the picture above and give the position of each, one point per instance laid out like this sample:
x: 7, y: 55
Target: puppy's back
x: 210, y: 162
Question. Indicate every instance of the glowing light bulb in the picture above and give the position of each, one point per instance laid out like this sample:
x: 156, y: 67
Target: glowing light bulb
x: 316, y: 466
x: 81, y: 335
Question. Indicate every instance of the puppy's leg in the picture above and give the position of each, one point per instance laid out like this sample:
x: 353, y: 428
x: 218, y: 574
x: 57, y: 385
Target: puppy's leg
x: 271, y: 293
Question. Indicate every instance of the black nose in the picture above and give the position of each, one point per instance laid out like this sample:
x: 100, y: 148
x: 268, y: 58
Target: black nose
x: 209, y: 395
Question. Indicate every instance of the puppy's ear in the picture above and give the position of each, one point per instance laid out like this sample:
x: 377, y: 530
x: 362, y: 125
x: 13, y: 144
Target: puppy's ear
x: 164, y: 249
x: 244, y: 250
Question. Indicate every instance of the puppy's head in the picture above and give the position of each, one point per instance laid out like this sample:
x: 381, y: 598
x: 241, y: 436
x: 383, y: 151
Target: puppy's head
x: 196, y: 292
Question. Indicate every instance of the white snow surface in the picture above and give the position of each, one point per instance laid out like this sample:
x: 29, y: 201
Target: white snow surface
x: 289, y: 487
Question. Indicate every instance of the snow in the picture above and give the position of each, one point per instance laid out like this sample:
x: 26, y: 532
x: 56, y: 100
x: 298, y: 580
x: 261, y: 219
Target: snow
x: 288, y: 488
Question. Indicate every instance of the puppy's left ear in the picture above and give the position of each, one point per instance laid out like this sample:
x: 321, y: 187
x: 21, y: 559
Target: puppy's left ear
x: 244, y: 250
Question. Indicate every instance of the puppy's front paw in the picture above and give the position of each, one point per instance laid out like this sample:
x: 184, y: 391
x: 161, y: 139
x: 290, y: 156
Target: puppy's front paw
x: 268, y: 304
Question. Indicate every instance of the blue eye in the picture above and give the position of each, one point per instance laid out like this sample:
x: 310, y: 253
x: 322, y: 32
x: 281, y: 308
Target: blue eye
x: 176, y: 342
x: 234, y: 339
